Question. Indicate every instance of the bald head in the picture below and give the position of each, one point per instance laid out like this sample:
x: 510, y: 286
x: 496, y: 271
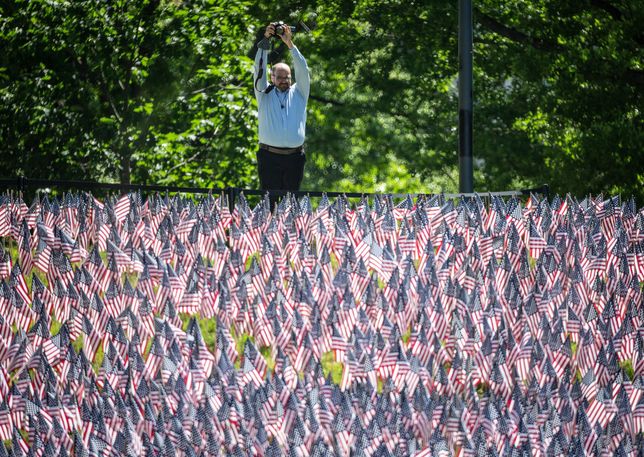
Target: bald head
x: 281, y: 76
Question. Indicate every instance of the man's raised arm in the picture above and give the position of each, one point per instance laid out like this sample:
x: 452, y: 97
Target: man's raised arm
x: 259, y: 71
x: 302, y: 76
x: 261, y: 58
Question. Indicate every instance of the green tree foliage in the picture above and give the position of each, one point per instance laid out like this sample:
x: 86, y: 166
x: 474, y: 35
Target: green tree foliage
x: 145, y: 91
x: 161, y: 92
x: 561, y: 88
x: 557, y: 90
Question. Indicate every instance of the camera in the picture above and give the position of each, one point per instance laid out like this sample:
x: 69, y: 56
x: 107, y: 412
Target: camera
x: 280, y: 26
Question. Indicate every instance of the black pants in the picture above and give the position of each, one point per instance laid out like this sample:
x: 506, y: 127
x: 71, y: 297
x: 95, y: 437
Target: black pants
x: 280, y: 171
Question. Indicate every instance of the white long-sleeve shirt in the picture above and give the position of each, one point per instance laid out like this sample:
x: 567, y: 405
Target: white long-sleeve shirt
x: 282, y: 115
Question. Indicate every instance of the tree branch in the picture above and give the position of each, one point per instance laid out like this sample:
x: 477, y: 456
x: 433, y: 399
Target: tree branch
x: 616, y: 14
x: 108, y: 95
x: 635, y: 77
x: 631, y: 76
x: 188, y: 160
x: 610, y: 9
x: 514, y: 34
x: 320, y: 99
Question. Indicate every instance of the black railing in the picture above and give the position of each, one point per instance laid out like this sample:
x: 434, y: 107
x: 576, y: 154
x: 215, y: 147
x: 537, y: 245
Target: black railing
x: 23, y: 183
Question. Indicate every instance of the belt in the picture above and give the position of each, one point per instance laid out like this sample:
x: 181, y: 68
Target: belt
x: 285, y: 151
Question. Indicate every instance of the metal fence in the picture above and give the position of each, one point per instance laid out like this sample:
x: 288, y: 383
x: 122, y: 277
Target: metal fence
x: 23, y: 184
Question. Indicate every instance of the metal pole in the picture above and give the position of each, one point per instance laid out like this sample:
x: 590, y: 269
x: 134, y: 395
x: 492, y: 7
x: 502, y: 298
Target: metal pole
x: 466, y: 170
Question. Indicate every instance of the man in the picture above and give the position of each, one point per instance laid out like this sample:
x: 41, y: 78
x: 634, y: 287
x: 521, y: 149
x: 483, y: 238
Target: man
x: 282, y: 115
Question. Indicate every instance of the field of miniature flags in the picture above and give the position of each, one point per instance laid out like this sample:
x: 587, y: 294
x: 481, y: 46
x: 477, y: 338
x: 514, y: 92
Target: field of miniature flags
x: 166, y: 326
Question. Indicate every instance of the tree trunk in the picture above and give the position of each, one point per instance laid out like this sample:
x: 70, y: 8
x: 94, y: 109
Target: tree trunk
x: 124, y: 170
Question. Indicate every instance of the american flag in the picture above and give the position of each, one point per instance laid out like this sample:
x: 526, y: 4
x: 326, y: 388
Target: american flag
x: 434, y: 327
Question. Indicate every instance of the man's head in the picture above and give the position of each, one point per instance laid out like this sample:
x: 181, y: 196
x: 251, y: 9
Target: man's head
x: 281, y: 76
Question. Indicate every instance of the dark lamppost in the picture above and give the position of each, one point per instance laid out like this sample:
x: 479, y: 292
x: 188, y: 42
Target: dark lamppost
x: 466, y: 171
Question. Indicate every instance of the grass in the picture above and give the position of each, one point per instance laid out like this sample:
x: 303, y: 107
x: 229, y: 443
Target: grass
x: 482, y: 388
x: 77, y: 344
x: 209, y: 332
x: 334, y: 261
x: 627, y: 366
x: 208, y: 329
x: 532, y: 262
x: 30, y: 278
x: 240, y: 342
x: 54, y: 327
x: 249, y: 260
x: 98, y: 358
x: 132, y: 277
x: 147, y: 348
x: 329, y: 365
x: 406, y: 335
x: 266, y: 353
x: 208, y: 326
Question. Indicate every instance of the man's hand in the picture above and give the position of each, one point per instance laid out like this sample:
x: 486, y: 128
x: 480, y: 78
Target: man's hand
x: 270, y: 31
x: 287, y: 36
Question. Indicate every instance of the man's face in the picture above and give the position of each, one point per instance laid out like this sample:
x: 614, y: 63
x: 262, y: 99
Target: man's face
x: 281, y: 77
